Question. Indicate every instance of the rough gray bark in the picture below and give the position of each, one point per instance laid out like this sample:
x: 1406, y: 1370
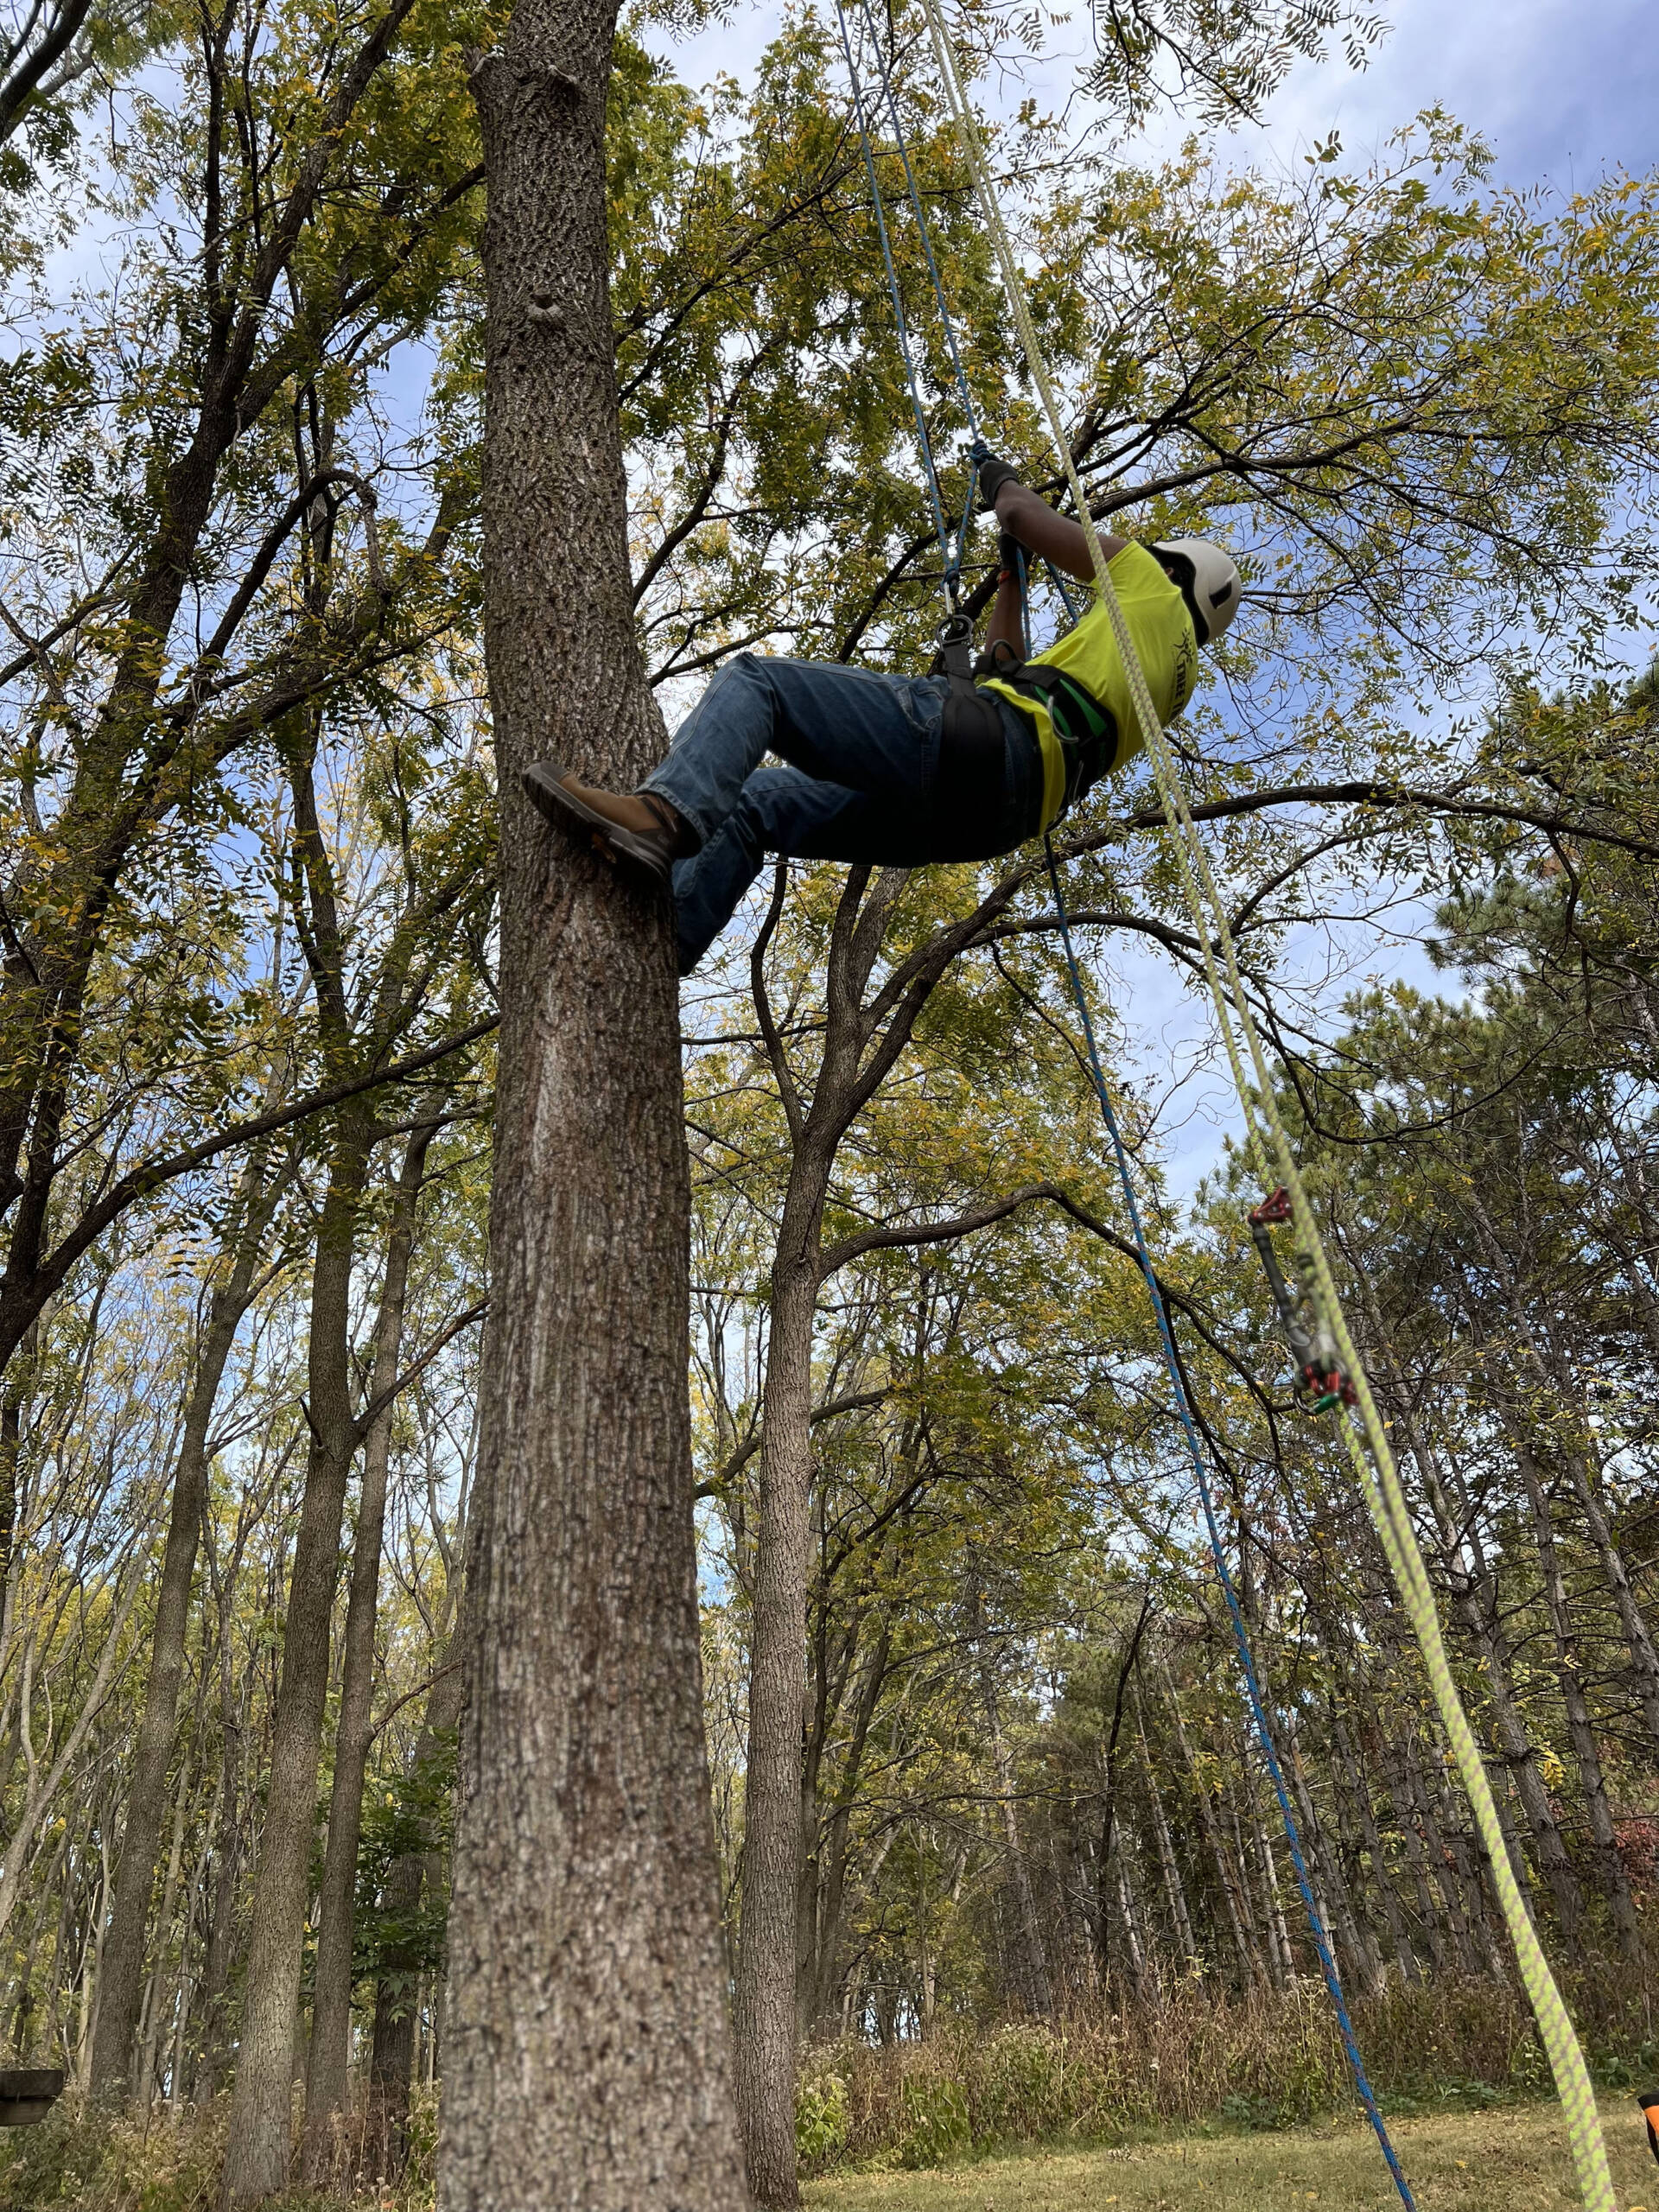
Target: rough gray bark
x: 121, y: 1990
x: 586, y: 2040
x: 328, y: 2056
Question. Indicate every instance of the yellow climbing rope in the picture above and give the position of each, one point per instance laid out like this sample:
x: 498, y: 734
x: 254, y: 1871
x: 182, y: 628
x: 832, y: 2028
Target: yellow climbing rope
x: 1365, y: 1437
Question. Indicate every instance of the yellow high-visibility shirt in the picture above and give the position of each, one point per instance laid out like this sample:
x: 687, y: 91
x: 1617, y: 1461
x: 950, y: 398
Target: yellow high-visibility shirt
x: 1165, y: 644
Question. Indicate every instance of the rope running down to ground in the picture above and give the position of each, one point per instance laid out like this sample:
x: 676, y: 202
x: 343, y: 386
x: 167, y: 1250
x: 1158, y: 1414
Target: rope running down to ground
x: 1176, y: 1381
x: 1366, y: 1438
x: 1217, y: 1553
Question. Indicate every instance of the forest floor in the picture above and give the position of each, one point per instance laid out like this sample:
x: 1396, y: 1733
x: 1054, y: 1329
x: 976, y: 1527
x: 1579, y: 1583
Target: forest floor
x: 1509, y: 2159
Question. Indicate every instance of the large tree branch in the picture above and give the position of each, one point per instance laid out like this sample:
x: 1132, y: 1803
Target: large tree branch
x: 395, y: 1389
x: 932, y: 1232
x: 24, y: 1300
x: 859, y: 1401
x: 1395, y: 796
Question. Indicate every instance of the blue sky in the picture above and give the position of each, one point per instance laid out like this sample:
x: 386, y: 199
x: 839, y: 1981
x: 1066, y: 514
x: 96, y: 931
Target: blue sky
x: 1562, y: 88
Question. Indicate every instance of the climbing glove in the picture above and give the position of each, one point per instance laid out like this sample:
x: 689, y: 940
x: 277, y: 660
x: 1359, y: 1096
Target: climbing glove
x: 992, y: 475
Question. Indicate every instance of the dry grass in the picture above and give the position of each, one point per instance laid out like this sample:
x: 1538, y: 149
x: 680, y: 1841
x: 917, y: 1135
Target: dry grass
x: 1202, y: 2059
x: 1510, y: 2160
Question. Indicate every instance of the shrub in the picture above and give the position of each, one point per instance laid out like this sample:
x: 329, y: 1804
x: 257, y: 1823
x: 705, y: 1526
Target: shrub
x: 1268, y: 2059
x: 821, y: 2122
x: 936, y: 2120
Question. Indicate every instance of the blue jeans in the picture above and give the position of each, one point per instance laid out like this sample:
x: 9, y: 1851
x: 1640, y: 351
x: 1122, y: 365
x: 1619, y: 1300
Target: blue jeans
x: 863, y: 782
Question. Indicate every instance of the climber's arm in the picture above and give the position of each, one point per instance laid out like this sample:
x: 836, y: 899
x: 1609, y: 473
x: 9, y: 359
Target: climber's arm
x: 1007, y: 625
x: 1052, y: 537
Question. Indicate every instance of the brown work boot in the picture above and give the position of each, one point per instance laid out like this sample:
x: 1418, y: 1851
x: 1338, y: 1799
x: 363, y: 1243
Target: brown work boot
x: 633, y: 826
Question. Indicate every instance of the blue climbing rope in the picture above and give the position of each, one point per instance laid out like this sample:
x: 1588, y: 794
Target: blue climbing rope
x: 890, y: 100
x: 1240, y: 1639
x: 952, y: 563
x: 952, y: 557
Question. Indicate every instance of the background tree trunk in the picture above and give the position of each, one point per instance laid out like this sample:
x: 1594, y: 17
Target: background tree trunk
x: 772, y: 1823
x: 588, y: 2043
x: 391, y: 2060
x: 257, y: 2159
x: 327, y: 2059
x: 121, y: 1992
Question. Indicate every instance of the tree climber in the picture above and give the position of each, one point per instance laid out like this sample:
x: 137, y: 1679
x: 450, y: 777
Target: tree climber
x: 895, y: 771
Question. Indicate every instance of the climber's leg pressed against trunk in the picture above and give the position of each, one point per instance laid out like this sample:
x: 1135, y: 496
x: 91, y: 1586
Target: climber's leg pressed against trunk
x: 873, y: 775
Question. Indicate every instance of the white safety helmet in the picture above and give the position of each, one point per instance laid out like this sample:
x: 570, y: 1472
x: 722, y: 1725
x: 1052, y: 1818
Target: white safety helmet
x: 1209, y: 582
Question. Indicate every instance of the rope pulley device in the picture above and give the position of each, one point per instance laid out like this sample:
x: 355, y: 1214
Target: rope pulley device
x: 1321, y: 1380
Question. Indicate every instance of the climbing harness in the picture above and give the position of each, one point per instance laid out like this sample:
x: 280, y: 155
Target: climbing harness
x: 1320, y: 1382
x: 1364, y: 1433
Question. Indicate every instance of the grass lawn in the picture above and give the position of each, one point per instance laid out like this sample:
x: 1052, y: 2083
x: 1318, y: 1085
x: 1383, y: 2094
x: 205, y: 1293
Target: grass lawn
x: 1508, y: 2160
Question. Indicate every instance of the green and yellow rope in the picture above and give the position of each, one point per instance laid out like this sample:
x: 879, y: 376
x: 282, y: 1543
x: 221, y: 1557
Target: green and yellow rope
x: 1365, y: 1436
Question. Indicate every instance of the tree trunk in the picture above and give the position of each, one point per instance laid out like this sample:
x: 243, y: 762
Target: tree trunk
x: 1338, y: 1911
x: 1180, y: 1919
x: 1143, y: 1972
x: 114, y: 2044
x: 1279, y: 1933
x: 213, y: 2060
x: 1243, y: 1950
x: 143, y: 2086
x: 588, y: 2048
x: 765, y: 2019
x: 1643, y: 1660
x: 1556, y: 1377
x: 328, y: 2058
x: 832, y: 1889
x: 392, y: 2059
x: 1474, y: 1605
x: 1519, y: 1752
x: 1357, y: 1793
x: 1609, y: 1866
x: 256, y: 2160
x: 1031, y: 1970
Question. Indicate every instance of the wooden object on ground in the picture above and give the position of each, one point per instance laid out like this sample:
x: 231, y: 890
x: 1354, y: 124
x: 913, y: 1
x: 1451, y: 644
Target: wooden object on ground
x: 27, y: 2093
